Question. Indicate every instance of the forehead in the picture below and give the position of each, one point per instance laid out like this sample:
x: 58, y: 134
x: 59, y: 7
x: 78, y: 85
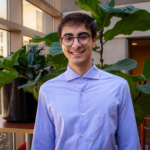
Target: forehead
x: 74, y: 29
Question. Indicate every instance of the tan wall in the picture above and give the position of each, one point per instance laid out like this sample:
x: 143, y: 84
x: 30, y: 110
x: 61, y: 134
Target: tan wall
x: 112, y: 52
x: 16, y: 11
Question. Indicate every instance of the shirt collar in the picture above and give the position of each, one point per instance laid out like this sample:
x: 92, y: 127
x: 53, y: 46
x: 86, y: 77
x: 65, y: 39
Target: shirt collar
x: 93, y: 73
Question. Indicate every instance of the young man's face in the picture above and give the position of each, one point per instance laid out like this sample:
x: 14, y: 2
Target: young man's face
x: 77, y: 54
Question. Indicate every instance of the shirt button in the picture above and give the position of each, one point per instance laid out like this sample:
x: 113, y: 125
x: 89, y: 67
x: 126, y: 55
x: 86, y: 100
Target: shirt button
x: 82, y: 135
x: 82, y: 93
x: 82, y: 114
x: 81, y: 78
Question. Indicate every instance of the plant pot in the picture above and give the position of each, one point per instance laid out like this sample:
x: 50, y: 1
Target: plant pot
x: 17, y: 105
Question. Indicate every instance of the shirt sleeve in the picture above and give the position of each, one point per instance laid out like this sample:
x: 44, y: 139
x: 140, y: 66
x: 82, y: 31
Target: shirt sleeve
x: 44, y: 135
x: 127, y: 135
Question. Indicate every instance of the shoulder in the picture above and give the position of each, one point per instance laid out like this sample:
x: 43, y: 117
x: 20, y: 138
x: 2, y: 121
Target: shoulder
x: 112, y: 78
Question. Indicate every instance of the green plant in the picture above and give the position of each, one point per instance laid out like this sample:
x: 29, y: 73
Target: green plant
x: 131, y: 19
x: 35, y: 67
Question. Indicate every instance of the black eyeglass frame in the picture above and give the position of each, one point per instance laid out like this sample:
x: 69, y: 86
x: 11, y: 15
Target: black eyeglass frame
x: 77, y: 38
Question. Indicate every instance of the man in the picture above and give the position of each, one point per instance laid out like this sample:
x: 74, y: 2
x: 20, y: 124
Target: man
x: 84, y: 108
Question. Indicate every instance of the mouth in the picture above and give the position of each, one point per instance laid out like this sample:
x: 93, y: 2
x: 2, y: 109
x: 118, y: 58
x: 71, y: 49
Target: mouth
x: 77, y: 53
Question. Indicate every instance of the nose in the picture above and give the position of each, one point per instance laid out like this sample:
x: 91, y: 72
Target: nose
x: 76, y: 43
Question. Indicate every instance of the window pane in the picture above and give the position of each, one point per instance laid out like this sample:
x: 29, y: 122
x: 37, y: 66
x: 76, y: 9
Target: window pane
x: 4, y: 48
x: 3, y: 9
x: 36, y: 19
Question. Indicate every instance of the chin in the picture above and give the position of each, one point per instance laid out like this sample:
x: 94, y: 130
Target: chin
x: 79, y: 63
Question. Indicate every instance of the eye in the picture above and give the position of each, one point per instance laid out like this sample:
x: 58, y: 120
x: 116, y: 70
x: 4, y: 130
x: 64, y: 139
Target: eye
x: 68, y: 38
x: 83, y: 36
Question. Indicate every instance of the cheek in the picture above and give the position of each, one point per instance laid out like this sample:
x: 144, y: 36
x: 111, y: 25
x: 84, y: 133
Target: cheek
x: 65, y: 52
x: 63, y: 49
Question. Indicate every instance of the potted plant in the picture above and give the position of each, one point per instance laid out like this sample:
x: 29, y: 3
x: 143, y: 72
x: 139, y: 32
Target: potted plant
x: 21, y: 74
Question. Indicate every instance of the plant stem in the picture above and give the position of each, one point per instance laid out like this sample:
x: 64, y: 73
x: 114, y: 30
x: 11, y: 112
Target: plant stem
x: 25, y: 77
x: 101, y: 50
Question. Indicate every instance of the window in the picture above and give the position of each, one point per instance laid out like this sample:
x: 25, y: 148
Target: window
x: 1, y: 50
x: 3, y: 9
x: 4, y: 43
x: 1, y: 37
x: 36, y: 19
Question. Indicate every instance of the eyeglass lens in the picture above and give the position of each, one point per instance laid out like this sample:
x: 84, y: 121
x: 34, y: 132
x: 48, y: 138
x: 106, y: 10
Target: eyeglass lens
x: 83, y: 39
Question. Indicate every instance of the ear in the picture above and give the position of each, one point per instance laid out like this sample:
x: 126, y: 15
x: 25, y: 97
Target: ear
x: 94, y: 41
x: 61, y: 44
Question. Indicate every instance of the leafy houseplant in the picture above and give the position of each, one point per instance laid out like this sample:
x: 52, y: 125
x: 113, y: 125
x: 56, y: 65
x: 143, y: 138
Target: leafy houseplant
x: 32, y: 69
x: 33, y: 66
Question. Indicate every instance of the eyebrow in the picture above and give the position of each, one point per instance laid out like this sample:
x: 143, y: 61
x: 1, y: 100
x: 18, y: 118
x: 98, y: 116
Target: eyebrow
x: 78, y: 33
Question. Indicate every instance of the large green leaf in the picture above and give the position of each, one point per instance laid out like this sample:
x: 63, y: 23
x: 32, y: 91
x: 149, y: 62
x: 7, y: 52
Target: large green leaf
x: 58, y: 61
x: 8, y: 63
x: 34, y: 90
x: 142, y: 107
x: 30, y: 58
x: 15, y: 56
x: 48, y: 39
x: 146, y: 70
x: 99, y: 15
x: 7, y: 77
x: 125, y: 64
x: 137, y: 78
x: 119, y: 11
x: 55, y: 49
x: 139, y: 113
x: 53, y: 73
x: 103, y: 13
x: 53, y: 36
x: 110, y: 3
x: 138, y: 21
x: 144, y: 88
x: 30, y: 83
x: 88, y: 6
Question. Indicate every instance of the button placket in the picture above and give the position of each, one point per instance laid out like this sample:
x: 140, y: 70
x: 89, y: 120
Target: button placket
x: 83, y: 84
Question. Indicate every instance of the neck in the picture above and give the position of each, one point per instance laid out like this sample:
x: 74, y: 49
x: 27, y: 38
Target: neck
x: 81, y: 69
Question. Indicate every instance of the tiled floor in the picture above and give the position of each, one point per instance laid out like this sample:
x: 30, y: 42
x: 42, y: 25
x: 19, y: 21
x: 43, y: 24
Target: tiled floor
x: 4, y: 145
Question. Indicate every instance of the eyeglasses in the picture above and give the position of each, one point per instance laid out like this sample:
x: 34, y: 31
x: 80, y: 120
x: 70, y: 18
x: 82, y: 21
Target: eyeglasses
x: 83, y: 39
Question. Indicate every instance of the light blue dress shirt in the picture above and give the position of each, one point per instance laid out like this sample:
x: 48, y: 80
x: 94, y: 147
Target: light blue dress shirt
x: 85, y: 113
